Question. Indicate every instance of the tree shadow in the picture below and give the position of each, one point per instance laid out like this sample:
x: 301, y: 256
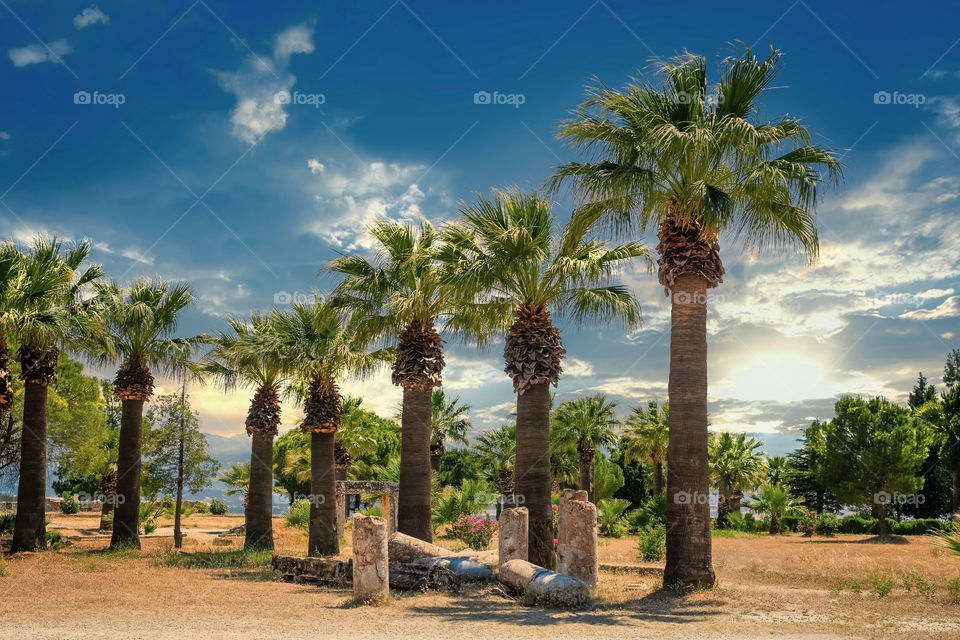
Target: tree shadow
x: 871, y: 540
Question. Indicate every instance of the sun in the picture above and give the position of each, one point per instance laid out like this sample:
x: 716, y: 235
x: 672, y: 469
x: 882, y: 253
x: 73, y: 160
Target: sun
x: 779, y: 377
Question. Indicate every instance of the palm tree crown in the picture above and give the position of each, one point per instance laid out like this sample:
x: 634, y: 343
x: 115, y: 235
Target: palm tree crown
x: 646, y: 438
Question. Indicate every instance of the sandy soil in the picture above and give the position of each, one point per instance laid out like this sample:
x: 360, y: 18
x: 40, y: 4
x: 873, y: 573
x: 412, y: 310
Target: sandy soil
x: 787, y: 586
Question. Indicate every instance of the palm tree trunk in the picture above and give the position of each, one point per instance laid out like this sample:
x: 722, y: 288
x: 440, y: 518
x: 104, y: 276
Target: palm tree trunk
x: 689, y: 554
x: 956, y: 491
x: 108, y: 487
x: 126, y: 517
x: 177, y: 531
x: 657, y: 478
x: 323, y: 539
x: 531, y: 485
x: 724, y: 504
x: 413, y: 508
x: 882, y: 520
x: 30, y: 532
x: 259, y: 509
x: 774, y: 524
x: 586, y: 469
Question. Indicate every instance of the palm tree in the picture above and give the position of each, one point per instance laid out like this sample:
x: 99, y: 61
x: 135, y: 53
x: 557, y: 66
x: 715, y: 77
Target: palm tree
x: 238, y: 477
x: 237, y: 359
x: 776, y: 502
x: 449, y: 419
x: 646, y: 438
x: 588, y: 422
x: 777, y: 469
x: 691, y: 161
x: 517, y: 267
x: 736, y: 466
x: 139, y: 323
x: 400, y: 295
x: 11, y: 280
x: 497, y: 450
x: 317, y: 342
x: 47, y: 315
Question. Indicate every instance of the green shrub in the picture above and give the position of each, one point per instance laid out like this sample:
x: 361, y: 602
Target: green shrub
x: 471, y: 498
x: 3, y: 567
x: 55, y: 540
x: 948, y: 537
x: 953, y: 589
x: 7, y: 520
x: 919, y: 527
x: 789, y: 523
x: 856, y: 524
x: 652, y: 543
x: 610, y: 517
x: 69, y: 505
x: 882, y: 583
x: 150, y: 512
x: 826, y: 525
x: 218, y: 508
x: 927, y: 589
x: 299, y: 515
x: 202, y: 507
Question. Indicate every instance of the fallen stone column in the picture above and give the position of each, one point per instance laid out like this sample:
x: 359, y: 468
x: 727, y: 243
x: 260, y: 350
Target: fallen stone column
x: 546, y: 586
x: 404, y: 548
x: 463, y: 567
x: 512, y: 534
x: 371, y: 573
x: 578, y: 552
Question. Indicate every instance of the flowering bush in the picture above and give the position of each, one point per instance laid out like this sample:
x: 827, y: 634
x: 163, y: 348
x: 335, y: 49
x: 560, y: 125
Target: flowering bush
x: 556, y: 522
x: 474, y: 531
x: 822, y: 524
x: 69, y: 505
x: 218, y: 508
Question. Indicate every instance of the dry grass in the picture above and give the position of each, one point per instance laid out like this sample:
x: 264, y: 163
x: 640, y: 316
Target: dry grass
x: 784, y: 585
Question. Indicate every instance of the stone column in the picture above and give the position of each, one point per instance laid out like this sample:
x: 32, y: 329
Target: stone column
x: 371, y: 568
x: 341, y: 513
x: 578, y: 551
x: 512, y: 534
x: 563, y: 518
x: 388, y: 509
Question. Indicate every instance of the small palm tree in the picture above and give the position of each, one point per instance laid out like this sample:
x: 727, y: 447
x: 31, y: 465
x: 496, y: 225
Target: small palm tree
x: 139, y: 323
x: 497, y: 450
x: 400, y: 295
x: 589, y: 423
x: 449, y: 421
x: 692, y: 161
x: 777, y: 470
x: 514, y: 266
x: 317, y: 342
x: 774, y: 501
x: 736, y: 466
x: 47, y: 313
x: 238, y: 477
x: 237, y: 358
x: 646, y: 438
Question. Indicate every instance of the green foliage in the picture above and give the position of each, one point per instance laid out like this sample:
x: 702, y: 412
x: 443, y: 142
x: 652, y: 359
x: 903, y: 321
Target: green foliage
x: 457, y: 465
x: 736, y: 466
x: 173, y: 422
x: 299, y: 516
x: 922, y: 392
x: 805, y: 470
x: 237, y: 478
x: 610, y: 517
x: 652, y: 543
x: 150, y: 513
x: 874, y: 448
x: 952, y: 587
x: 949, y: 538
x: 881, y: 583
x: 7, y: 520
x: 218, y: 508
x: 774, y: 501
x: 827, y: 525
x: 470, y: 499
x: 55, y: 540
x: 607, y: 478
x: 69, y: 505
x: 918, y: 527
x: 652, y: 511
x: 3, y: 567
x: 234, y: 559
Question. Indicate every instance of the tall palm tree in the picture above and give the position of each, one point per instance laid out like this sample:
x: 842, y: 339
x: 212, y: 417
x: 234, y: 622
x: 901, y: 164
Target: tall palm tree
x: 238, y: 359
x: 319, y: 344
x: 48, y: 314
x: 646, y: 438
x: 691, y: 161
x: 588, y: 422
x: 736, y: 466
x: 449, y: 420
x: 400, y: 295
x: 516, y: 266
x: 497, y: 450
x: 139, y: 323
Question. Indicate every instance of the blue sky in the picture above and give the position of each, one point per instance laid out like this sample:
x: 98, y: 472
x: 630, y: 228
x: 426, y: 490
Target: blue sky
x: 182, y: 163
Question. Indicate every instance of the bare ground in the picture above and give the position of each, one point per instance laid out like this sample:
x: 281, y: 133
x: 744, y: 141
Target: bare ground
x: 787, y: 586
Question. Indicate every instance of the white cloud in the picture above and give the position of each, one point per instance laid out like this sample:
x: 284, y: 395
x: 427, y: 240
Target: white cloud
x: 577, y: 368
x: 4, y: 135
x: 89, y: 16
x: 348, y: 201
x: 472, y: 373
x: 634, y: 388
x: 496, y: 415
x: 949, y: 308
x: 315, y: 166
x: 38, y: 53
x: 259, y: 82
